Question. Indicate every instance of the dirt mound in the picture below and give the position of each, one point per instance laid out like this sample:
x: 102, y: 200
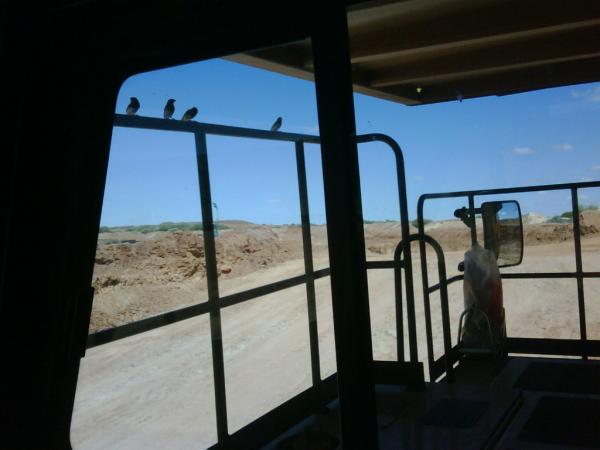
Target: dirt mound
x: 246, y: 250
x: 453, y: 235
x: 137, y: 275
x: 589, y: 225
x: 172, y: 257
x: 534, y: 218
x: 589, y: 222
x: 137, y: 259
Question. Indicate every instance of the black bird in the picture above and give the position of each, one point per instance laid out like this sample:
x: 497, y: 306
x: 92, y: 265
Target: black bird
x: 169, y: 108
x: 133, y: 106
x: 277, y: 124
x: 190, y: 114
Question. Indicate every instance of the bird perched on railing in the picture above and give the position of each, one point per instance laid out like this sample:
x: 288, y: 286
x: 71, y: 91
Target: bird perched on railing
x: 190, y: 114
x: 133, y: 106
x: 277, y: 124
x: 169, y: 108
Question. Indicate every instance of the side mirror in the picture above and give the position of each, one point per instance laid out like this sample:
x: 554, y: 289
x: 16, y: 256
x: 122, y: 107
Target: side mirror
x: 503, y: 231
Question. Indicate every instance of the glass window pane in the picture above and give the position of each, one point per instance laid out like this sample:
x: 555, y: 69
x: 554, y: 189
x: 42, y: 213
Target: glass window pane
x: 254, y: 186
x: 542, y: 308
x: 592, y: 307
x: 150, y: 253
x: 267, y: 353
x: 316, y: 206
x: 325, y: 327
x: 380, y: 204
x: 589, y: 202
x: 382, y: 309
x: 153, y: 390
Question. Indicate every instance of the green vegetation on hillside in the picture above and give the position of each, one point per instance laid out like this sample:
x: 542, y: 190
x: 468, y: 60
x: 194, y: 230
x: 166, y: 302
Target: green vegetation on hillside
x: 567, y: 216
x: 415, y: 223
x: 368, y: 221
x: 164, y: 226
x: 558, y: 219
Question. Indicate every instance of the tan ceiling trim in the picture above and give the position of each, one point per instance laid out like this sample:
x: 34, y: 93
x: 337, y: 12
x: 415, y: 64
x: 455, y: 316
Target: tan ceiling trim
x: 450, y: 77
x: 524, y: 80
x: 251, y: 59
x: 541, y: 50
x: 398, y: 49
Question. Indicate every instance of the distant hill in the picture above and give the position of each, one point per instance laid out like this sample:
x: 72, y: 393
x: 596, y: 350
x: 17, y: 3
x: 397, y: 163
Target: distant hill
x: 534, y: 218
x: 164, y: 226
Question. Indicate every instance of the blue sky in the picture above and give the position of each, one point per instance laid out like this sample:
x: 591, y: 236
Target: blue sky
x: 549, y: 136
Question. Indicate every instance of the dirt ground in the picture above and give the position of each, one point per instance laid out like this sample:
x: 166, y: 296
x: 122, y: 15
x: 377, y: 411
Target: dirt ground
x: 155, y: 391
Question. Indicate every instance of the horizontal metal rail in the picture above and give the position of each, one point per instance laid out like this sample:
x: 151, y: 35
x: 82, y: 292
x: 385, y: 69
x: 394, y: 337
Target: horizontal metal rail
x: 153, y: 123
x: 266, y: 289
x: 514, y: 190
x: 439, y: 367
x: 151, y: 323
x: 449, y: 281
x: 381, y: 265
x: 527, y: 346
x: 523, y: 276
x: 541, y: 346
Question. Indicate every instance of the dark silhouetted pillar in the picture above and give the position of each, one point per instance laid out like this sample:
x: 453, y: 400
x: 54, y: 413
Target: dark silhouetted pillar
x: 349, y: 289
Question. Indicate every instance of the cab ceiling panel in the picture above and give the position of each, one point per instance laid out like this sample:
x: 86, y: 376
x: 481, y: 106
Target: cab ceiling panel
x: 426, y: 51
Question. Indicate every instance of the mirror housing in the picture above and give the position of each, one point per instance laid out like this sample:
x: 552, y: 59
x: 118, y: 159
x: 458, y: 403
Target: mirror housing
x: 503, y: 231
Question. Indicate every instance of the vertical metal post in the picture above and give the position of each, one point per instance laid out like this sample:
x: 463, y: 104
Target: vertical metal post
x: 579, y: 270
x: 308, y: 265
x: 445, y: 313
x: 425, y: 282
x: 399, y: 313
x: 472, y: 216
x: 210, y: 254
x: 407, y: 264
x: 410, y: 303
x: 354, y: 352
x: 421, y: 237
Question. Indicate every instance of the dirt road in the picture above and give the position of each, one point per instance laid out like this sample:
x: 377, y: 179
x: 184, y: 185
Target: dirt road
x: 154, y: 390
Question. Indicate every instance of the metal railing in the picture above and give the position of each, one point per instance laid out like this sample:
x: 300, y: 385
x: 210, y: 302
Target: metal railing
x: 569, y: 347
x: 216, y: 302
x: 443, y: 286
x: 407, y: 262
